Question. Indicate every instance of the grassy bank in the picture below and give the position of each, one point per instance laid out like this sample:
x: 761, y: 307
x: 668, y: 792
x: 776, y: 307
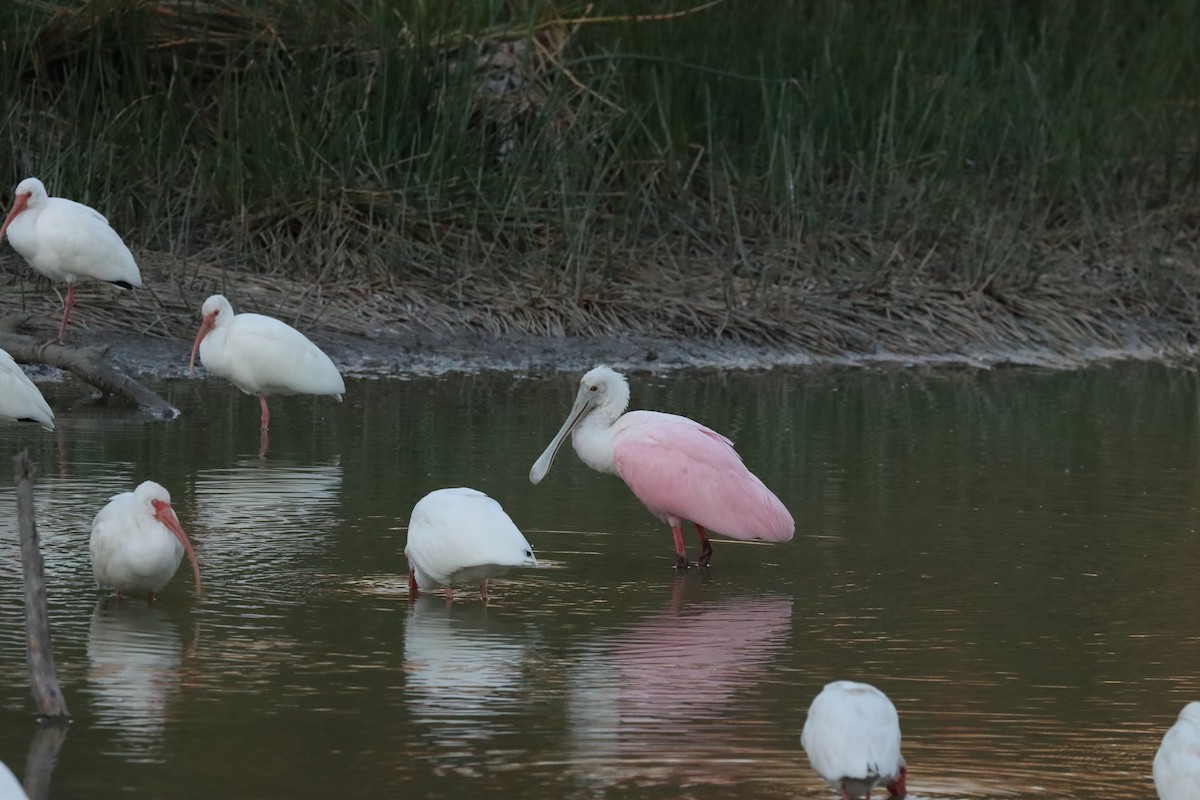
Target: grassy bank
x: 836, y: 175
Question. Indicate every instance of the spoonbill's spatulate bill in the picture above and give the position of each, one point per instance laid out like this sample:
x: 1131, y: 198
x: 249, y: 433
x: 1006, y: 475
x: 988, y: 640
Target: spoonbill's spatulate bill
x: 137, y: 542
x: 461, y: 536
x: 677, y: 467
x: 67, y: 241
x: 20, y: 400
x: 1177, y: 763
x: 852, y: 738
x: 262, y: 355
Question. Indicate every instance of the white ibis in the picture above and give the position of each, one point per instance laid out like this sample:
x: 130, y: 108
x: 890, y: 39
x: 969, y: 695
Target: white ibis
x: 852, y: 738
x: 678, y: 468
x: 461, y: 536
x: 20, y: 400
x: 262, y: 356
x: 137, y: 542
x: 10, y: 787
x: 1177, y: 763
x: 67, y: 241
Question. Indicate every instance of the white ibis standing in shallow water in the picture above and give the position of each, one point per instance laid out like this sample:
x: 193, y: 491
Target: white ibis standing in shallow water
x: 261, y: 355
x: 678, y: 468
x: 852, y: 738
x: 19, y: 399
x: 1177, y: 763
x: 137, y: 542
x: 67, y: 241
x: 461, y: 536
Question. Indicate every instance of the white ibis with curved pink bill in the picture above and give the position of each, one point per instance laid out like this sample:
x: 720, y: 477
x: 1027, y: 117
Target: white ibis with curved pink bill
x: 461, y: 536
x: 67, y: 241
x: 678, y: 468
x: 262, y: 355
x: 1177, y: 762
x: 20, y: 400
x: 137, y: 542
x: 852, y: 738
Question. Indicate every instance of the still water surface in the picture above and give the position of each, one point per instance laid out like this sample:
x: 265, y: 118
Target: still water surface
x: 1011, y: 555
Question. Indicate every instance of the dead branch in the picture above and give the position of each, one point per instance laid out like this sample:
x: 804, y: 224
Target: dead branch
x: 86, y: 363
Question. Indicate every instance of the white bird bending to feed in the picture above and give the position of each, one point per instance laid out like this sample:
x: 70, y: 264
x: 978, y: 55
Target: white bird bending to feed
x: 852, y: 738
x: 262, y: 355
x: 67, y: 241
x: 137, y: 542
x: 461, y: 536
x: 20, y: 400
x: 677, y: 467
x: 1177, y: 763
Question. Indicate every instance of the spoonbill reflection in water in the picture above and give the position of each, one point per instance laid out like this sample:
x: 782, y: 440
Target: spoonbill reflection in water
x: 19, y: 399
x: 852, y: 738
x: 262, y: 356
x: 137, y: 542
x: 1177, y: 763
x: 461, y: 536
x: 67, y: 241
x: 678, y: 468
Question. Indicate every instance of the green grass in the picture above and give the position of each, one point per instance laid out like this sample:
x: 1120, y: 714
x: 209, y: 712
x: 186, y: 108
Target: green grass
x: 772, y: 141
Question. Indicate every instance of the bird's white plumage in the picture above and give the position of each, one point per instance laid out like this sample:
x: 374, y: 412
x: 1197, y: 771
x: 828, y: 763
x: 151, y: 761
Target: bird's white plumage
x: 10, y: 787
x: 19, y: 398
x: 132, y: 550
x: 68, y: 241
x: 1177, y: 763
x: 460, y: 536
x: 262, y: 355
x: 852, y: 737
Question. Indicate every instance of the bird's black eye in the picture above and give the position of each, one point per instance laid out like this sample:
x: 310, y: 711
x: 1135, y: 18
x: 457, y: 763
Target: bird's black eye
x: 594, y: 388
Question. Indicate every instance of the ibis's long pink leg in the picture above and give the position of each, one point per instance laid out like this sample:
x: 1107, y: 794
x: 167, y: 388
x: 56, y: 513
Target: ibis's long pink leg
x: 265, y: 419
x: 448, y: 593
x: 705, y: 547
x: 62, y: 329
x: 483, y: 592
x: 680, y: 550
x: 413, y: 591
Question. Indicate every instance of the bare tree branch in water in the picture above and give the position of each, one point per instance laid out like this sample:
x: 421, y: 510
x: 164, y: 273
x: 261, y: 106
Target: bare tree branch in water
x: 86, y: 363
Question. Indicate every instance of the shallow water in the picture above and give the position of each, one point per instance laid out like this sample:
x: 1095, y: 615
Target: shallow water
x: 1011, y: 555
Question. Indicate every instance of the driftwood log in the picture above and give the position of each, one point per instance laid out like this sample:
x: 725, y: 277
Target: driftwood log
x: 43, y: 679
x: 86, y: 363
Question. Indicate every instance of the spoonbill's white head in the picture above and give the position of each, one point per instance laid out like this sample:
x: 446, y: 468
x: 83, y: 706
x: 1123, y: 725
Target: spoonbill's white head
x: 602, y: 391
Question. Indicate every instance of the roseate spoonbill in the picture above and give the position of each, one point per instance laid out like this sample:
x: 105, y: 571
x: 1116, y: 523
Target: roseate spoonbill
x: 261, y: 355
x: 67, y: 241
x: 19, y: 398
x: 1177, y: 764
x: 678, y: 468
x: 137, y: 542
x: 460, y: 536
x: 852, y: 738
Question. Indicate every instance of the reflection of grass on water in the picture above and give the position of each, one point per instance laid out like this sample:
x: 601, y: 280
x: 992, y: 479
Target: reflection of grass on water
x: 837, y: 175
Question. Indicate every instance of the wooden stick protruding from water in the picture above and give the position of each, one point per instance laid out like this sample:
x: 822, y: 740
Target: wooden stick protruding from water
x: 43, y: 679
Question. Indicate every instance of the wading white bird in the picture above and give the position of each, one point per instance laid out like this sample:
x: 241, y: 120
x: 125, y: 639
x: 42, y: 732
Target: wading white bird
x: 852, y: 738
x: 461, y: 536
x: 10, y: 787
x: 678, y: 468
x: 261, y: 355
x: 137, y: 542
x: 19, y: 399
x: 67, y: 241
x: 1177, y: 764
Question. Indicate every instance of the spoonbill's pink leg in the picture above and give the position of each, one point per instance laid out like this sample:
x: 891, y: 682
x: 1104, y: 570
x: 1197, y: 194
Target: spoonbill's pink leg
x: 413, y: 591
x: 265, y: 419
x: 62, y: 329
x: 680, y: 550
x: 705, y: 547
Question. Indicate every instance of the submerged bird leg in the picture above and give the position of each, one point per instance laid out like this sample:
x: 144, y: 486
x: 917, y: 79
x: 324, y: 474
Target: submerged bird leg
x: 265, y: 419
x: 680, y: 550
x: 705, y: 547
x: 413, y: 591
x: 264, y: 441
x: 448, y: 593
x: 62, y: 329
x: 898, y: 787
x: 483, y: 592
x: 150, y: 598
